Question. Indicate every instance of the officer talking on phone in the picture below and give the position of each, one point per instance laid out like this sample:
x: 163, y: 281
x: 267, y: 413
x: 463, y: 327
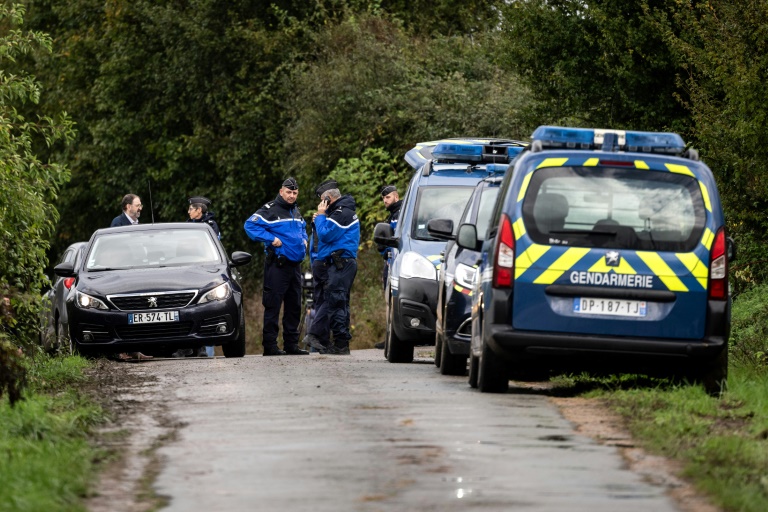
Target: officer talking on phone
x: 338, y: 235
x: 280, y: 226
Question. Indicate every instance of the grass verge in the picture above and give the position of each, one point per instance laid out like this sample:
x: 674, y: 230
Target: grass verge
x: 46, y: 461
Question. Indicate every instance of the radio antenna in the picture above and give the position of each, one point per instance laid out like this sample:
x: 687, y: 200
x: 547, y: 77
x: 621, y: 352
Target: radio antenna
x: 151, y: 207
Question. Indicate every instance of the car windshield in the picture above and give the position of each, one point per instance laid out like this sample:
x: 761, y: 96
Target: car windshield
x: 152, y: 248
x: 439, y: 203
x: 614, y: 208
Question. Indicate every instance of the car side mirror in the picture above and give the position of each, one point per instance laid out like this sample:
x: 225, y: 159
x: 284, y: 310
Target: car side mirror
x: 441, y: 228
x: 66, y: 269
x: 383, y: 234
x: 240, y: 258
x: 466, y: 238
x: 730, y: 249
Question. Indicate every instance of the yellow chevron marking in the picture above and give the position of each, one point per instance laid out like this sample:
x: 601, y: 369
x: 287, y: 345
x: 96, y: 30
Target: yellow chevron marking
x: 695, y: 266
x: 639, y: 164
x: 705, y: 195
x: 526, y: 260
x: 519, y: 228
x: 524, y: 186
x: 561, y: 265
x: 552, y: 162
x: 707, y: 238
x: 592, y: 162
x: 679, y: 169
x: 623, y: 268
x: 662, y: 270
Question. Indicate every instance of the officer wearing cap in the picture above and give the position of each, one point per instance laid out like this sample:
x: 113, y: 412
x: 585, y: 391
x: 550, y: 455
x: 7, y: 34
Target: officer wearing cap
x: 392, y: 203
x: 199, y: 212
x: 338, y: 236
x: 281, y: 228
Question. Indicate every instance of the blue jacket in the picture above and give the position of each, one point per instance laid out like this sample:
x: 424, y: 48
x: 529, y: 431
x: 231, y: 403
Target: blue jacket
x: 338, y: 229
x: 284, y: 221
x: 120, y: 220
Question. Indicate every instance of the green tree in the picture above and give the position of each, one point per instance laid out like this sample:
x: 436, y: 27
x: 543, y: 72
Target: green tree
x: 28, y: 187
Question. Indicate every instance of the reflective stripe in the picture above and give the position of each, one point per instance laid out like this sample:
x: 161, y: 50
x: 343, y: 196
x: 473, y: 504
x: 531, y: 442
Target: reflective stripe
x: 680, y: 169
x: 592, y: 162
x: 707, y: 238
x: 519, y: 228
x: 524, y: 186
x: 567, y: 260
x: 659, y: 267
x: 705, y: 195
x: 529, y: 257
x: 639, y: 164
x: 552, y: 162
x: 695, y: 266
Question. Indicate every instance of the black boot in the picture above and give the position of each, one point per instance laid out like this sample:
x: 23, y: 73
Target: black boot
x: 294, y: 350
x: 273, y: 350
x: 338, y: 351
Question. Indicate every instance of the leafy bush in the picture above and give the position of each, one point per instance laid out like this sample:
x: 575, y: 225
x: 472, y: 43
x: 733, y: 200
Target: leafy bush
x: 749, y: 328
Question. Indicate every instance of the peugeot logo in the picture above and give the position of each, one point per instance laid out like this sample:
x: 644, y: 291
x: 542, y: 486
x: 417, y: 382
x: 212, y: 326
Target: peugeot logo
x: 612, y: 258
x: 152, y: 302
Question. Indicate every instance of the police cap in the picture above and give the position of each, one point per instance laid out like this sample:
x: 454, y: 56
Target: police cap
x: 200, y: 200
x: 290, y: 184
x: 388, y: 189
x: 325, y: 186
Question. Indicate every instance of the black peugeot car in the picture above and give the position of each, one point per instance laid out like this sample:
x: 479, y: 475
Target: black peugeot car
x: 453, y: 329
x: 157, y: 288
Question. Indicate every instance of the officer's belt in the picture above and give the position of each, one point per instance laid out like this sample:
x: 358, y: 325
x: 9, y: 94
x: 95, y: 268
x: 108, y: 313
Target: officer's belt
x: 329, y: 261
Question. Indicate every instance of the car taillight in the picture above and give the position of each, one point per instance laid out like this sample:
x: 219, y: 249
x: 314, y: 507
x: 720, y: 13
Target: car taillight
x: 504, y: 260
x: 68, y: 282
x: 718, y: 268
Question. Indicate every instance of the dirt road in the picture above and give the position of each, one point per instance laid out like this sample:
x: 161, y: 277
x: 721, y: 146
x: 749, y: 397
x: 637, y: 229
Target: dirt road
x: 353, y: 433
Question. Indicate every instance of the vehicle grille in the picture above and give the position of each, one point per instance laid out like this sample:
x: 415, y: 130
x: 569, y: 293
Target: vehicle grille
x: 141, y: 302
x: 154, y: 331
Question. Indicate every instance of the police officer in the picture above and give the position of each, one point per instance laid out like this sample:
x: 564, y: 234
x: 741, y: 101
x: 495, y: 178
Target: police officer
x: 392, y: 203
x: 199, y: 212
x: 338, y: 234
x: 319, y: 326
x: 279, y: 225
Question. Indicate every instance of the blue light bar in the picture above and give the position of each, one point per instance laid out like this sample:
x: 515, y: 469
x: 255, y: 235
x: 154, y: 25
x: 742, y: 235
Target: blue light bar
x: 497, y: 168
x: 458, y: 152
x: 556, y: 137
x: 566, y: 138
x: 650, y: 142
x: 513, y: 151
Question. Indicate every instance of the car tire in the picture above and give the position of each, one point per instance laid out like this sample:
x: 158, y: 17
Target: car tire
x: 236, y: 348
x: 714, y: 376
x: 398, y: 351
x: 474, y: 367
x: 452, y: 364
x: 438, y: 349
x: 493, y: 376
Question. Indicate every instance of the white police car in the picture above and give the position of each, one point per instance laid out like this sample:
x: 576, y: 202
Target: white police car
x: 446, y: 173
x: 609, y: 252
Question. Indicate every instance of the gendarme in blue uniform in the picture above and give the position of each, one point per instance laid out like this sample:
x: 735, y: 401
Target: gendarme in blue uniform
x: 282, y: 269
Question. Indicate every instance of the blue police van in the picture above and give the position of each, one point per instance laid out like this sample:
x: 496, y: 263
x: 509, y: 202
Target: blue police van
x: 607, y: 250
x: 445, y: 174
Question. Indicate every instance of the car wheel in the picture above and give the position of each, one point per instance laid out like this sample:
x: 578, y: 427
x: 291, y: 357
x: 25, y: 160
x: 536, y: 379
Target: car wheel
x: 493, y: 377
x: 398, y: 351
x: 473, y: 370
x: 714, y: 376
x: 452, y: 364
x: 438, y: 349
x: 236, y: 348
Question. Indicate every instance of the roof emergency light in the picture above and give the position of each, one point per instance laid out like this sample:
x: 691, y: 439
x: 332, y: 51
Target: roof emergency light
x: 497, y: 168
x: 556, y: 137
x: 458, y: 152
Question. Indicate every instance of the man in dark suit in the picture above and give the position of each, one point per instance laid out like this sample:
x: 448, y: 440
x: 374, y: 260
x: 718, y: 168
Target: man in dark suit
x: 131, y: 204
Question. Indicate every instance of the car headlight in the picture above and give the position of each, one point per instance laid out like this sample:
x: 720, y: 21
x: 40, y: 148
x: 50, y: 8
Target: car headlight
x: 85, y: 301
x: 221, y: 292
x: 464, y: 275
x: 416, y: 265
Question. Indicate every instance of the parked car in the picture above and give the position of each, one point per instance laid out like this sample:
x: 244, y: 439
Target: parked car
x: 608, y: 251
x: 446, y: 173
x: 453, y: 329
x: 155, y: 288
x: 54, y: 313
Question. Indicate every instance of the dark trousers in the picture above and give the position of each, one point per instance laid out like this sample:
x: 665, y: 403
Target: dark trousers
x: 319, y: 327
x: 282, y: 287
x: 337, y: 296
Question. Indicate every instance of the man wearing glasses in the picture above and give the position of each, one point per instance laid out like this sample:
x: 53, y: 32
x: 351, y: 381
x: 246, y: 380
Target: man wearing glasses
x: 131, y: 205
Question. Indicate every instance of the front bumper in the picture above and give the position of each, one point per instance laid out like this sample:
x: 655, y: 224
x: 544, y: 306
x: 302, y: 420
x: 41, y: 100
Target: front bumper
x: 458, y: 325
x: 414, y: 310
x: 213, y: 323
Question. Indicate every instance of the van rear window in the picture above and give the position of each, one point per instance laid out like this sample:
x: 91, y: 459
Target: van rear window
x: 614, y: 208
